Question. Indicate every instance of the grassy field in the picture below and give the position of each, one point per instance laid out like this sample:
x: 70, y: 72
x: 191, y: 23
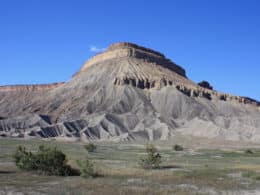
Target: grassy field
x: 192, y: 171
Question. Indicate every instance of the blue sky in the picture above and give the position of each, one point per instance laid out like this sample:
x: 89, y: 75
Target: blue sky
x: 43, y: 41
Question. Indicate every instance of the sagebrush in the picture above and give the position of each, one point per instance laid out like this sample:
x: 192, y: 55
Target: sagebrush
x: 46, y: 160
x: 90, y: 147
x: 152, y: 159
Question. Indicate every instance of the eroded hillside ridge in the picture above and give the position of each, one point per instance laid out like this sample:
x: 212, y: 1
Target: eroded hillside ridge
x: 129, y: 50
x: 37, y: 87
x: 189, y: 90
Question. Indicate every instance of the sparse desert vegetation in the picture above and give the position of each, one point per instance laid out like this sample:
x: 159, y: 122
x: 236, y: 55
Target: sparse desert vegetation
x: 152, y: 159
x: 86, y: 168
x: 178, y: 147
x: 192, y: 171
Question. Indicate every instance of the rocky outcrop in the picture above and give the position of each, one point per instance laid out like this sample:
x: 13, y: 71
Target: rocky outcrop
x: 205, y: 84
x: 143, y: 83
x: 203, y: 90
x: 209, y: 94
x: 129, y: 50
x: 247, y: 100
x: 123, y: 45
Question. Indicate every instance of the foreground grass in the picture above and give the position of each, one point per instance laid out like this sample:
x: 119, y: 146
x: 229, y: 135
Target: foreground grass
x: 186, y: 172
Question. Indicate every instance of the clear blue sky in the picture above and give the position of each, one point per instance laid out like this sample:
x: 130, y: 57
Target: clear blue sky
x: 44, y: 41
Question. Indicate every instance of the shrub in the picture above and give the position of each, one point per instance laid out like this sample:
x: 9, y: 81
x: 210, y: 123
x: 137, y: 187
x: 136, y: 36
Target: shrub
x: 152, y: 159
x: 86, y: 168
x: 177, y: 147
x: 48, y: 161
x: 249, y: 151
x: 90, y: 147
x: 24, y: 159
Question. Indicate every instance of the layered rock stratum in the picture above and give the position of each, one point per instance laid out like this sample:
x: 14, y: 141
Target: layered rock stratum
x: 127, y: 92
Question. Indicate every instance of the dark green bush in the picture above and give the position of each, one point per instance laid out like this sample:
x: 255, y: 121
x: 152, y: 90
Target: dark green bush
x: 152, y: 159
x: 90, y: 147
x: 177, y: 147
x: 24, y: 159
x: 47, y: 161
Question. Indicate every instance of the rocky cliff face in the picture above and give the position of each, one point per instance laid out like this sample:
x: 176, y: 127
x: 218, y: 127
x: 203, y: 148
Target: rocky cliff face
x: 129, y: 50
x: 127, y: 92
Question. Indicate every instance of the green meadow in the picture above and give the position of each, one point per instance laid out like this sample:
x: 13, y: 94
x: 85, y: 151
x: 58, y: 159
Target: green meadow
x: 191, y: 171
